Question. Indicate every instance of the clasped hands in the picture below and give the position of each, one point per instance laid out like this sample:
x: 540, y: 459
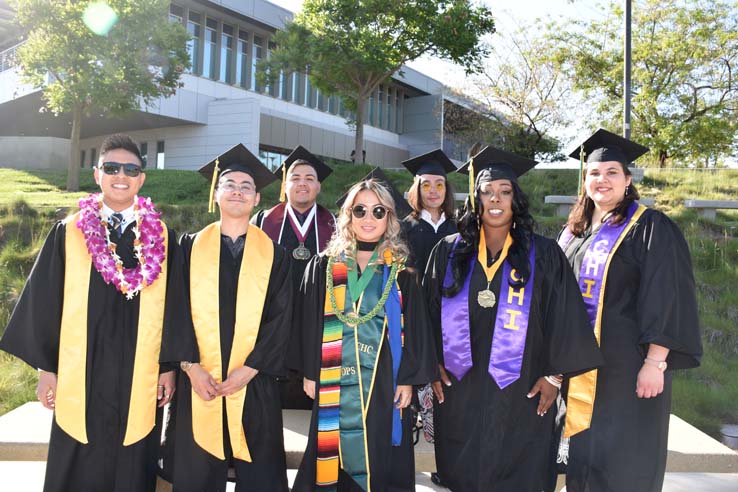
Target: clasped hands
x: 207, y: 388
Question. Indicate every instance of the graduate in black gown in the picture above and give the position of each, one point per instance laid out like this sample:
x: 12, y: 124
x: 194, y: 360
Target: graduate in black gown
x: 508, y: 321
x: 361, y: 358
x: 648, y: 324
x: 303, y: 227
x: 228, y: 409
x: 103, y: 436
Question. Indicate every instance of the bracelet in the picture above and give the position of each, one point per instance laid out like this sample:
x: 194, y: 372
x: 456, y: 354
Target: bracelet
x: 554, y: 380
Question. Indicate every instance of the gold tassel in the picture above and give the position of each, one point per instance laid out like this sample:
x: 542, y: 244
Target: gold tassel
x: 471, y: 182
x: 211, y: 203
x: 282, y: 195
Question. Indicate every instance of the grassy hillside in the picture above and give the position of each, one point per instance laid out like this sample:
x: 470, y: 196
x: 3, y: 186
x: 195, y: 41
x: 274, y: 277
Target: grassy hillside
x: 706, y: 397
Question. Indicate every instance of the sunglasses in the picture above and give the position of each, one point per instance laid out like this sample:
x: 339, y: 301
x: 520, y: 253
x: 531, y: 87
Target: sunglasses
x: 428, y: 186
x: 112, y: 168
x: 378, y: 211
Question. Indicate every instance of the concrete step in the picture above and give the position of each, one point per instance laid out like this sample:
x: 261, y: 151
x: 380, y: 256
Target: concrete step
x: 24, y: 436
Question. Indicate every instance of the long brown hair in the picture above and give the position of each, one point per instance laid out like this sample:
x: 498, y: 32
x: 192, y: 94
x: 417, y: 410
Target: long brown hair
x: 416, y: 200
x: 580, y: 217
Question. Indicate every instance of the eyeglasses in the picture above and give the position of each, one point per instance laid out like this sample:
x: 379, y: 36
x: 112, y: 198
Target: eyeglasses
x: 378, y: 211
x: 112, y: 168
x: 230, y: 187
x: 440, y: 186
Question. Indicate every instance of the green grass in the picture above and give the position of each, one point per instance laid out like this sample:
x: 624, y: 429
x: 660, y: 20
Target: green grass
x: 706, y: 397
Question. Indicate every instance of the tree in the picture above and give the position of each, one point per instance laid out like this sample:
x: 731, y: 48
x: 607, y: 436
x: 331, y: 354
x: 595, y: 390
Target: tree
x: 522, y: 93
x: 350, y: 47
x: 110, y: 58
x: 684, y: 56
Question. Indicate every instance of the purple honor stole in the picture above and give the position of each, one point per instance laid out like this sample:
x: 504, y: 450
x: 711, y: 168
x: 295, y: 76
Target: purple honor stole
x: 511, y: 325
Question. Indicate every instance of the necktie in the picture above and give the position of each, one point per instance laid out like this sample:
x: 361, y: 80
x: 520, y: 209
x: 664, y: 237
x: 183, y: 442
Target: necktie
x: 115, y: 220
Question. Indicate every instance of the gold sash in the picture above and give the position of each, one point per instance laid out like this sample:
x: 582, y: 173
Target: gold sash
x: 70, y: 408
x: 582, y: 389
x: 253, y: 280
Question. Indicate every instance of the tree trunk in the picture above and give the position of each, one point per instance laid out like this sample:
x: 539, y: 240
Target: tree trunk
x: 73, y: 165
x: 359, y: 140
x: 662, y: 158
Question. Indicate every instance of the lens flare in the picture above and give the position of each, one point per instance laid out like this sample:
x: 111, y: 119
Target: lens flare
x: 99, y: 18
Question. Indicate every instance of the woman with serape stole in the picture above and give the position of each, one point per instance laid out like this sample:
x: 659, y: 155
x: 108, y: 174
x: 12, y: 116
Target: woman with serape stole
x: 635, y: 275
x: 365, y: 346
x: 509, y: 322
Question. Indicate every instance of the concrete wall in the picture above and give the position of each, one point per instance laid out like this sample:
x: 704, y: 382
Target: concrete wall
x: 34, y: 152
x: 423, y: 130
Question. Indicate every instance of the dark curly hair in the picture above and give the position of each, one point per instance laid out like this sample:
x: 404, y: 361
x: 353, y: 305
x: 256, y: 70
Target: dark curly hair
x: 469, y: 224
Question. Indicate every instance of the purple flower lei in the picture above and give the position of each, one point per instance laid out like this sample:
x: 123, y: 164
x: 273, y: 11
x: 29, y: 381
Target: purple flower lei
x: 148, y: 245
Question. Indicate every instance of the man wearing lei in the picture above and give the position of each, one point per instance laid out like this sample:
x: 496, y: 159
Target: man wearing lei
x: 365, y: 345
x: 228, y: 408
x: 98, y: 317
x: 303, y: 228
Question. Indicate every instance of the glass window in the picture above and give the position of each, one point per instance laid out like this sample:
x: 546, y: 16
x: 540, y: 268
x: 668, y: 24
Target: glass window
x: 226, y: 54
x: 380, y: 108
x: 144, y: 146
x: 277, y: 89
x: 175, y: 13
x: 242, y: 59
x: 81, y: 158
x: 193, y: 45
x: 398, y: 113
x: 160, y: 154
x: 270, y: 159
x: 93, y: 156
x: 209, y: 59
x: 256, y: 56
x: 298, y: 86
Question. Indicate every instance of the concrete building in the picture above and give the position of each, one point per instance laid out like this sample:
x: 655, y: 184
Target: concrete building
x: 222, y: 103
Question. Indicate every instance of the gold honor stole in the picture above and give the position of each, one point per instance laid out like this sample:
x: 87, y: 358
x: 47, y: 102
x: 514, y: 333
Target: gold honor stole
x: 582, y: 389
x: 70, y: 407
x: 253, y: 280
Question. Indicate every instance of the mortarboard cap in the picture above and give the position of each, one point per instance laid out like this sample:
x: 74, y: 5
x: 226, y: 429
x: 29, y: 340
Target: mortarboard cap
x: 605, y: 146
x: 300, y: 153
x: 401, y: 206
x: 502, y: 165
x: 236, y: 159
x: 436, y: 163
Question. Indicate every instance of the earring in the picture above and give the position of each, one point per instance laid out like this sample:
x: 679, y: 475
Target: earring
x: 627, y: 188
x: 515, y: 224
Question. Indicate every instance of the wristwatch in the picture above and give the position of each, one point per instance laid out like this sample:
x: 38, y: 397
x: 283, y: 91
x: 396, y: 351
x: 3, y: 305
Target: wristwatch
x: 185, y: 365
x: 659, y: 364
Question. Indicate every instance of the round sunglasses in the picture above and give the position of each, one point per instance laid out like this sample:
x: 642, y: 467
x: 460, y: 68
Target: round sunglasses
x: 378, y: 211
x: 113, y: 168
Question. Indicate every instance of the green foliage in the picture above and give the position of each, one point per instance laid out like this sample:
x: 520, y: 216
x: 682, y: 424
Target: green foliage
x: 349, y: 47
x: 684, y: 93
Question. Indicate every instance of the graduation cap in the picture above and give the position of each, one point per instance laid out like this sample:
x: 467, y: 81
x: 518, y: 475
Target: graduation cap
x: 605, y: 146
x: 401, y: 206
x: 435, y: 162
x: 301, y: 154
x: 501, y: 164
x: 236, y: 159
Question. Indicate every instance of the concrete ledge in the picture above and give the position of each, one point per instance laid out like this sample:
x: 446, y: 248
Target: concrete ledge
x: 24, y: 437
x: 707, y: 208
x: 565, y: 202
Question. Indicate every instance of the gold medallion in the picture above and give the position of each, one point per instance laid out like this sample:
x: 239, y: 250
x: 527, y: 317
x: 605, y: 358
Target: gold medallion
x: 301, y: 253
x: 486, y: 298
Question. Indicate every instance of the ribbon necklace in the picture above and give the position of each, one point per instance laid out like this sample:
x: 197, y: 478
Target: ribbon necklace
x: 301, y: 231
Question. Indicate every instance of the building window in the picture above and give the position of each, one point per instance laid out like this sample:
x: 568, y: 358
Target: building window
x: 256, y: 56
x: 81, y: 158
x: 275, y: 89
x: 298, y: 86
x: 271, y: 159
x: 144, y: 146
x: 175, y: 13
x: 380, y: 108
x: 398, y: 113
x: 210, y: 56
x: 93, y: 156
x: 226, y: 54
x: 193, y: 45
x: 160, y: 154
x: 242, y: 59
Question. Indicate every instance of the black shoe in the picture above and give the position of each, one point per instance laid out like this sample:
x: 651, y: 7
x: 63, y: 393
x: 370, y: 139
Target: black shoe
x: 437, y: 479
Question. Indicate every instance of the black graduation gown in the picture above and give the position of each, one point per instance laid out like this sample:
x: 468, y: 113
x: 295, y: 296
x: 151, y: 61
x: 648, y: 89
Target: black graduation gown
x: 196, y: 470
x: 418, y: 366
x: 421, y: 237
x: 649, y: 298
x: 291, y: 387
x: 32, y: 334
x: 488, y: 439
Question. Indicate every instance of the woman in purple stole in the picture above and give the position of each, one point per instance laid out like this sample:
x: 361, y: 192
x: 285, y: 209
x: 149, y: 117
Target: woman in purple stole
x: 509, y: 321
x: 635, y: 274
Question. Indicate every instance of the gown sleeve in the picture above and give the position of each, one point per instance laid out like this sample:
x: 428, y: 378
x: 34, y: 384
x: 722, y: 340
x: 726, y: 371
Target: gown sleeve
x: 569, y: 340
x: 667, y: 303
x: 268, y: 355
x: 185, y: 349
x: 418, y: 365
x: 310, y: 313
x: 258, y: 219
x: 178, y: 336
x: 33, y: 330
x: 432, y: 283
